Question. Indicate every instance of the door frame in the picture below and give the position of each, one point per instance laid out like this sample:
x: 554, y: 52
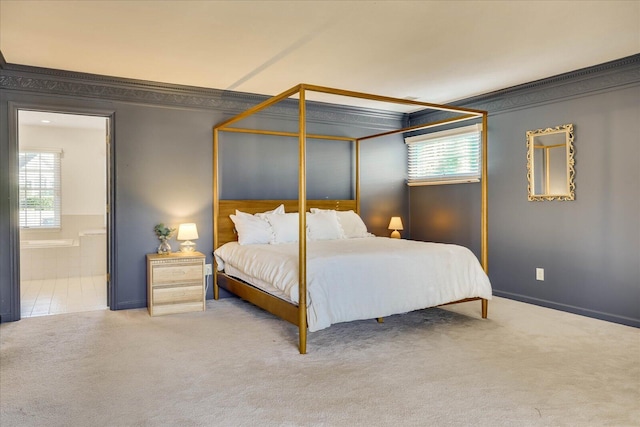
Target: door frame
x: 14, y: 223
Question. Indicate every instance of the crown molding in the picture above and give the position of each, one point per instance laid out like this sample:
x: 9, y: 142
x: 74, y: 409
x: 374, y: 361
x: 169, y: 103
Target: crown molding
x: 69, y: 83
x: 606, y: 76
x: 75, y: 84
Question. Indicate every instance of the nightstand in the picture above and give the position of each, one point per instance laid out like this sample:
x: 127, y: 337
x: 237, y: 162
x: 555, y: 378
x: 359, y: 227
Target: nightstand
x: 175, y: 283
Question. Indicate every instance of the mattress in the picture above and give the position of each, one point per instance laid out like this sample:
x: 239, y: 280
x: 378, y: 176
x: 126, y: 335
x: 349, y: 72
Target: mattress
x: 360, y: 278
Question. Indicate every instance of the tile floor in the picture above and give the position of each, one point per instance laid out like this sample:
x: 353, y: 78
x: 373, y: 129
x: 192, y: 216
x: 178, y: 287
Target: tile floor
x: 43, y: 297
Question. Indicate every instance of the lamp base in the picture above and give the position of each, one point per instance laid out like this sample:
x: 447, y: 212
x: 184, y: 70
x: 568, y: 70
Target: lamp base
x: 187, y: 246
x: 395, y: 234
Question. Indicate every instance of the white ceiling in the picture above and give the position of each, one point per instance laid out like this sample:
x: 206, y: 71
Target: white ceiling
x: 49, y: 119
x: 435, y: 51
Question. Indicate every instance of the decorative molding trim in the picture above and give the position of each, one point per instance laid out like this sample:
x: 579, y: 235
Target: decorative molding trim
x: 8, y: 317
x: 67, y: 83
x: 600, y: 77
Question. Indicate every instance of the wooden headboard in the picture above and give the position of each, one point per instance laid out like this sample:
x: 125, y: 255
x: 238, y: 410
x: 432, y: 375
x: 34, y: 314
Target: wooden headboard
x: 225, y: 226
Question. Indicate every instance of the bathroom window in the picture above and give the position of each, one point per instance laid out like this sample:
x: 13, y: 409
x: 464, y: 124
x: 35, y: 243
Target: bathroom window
x: 39, y: 188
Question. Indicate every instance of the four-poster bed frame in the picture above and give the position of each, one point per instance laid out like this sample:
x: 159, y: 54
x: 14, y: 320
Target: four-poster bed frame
x: 223, y: 227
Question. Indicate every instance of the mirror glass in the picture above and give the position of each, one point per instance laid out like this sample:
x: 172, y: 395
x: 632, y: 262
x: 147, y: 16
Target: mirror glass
x: 550, y: 163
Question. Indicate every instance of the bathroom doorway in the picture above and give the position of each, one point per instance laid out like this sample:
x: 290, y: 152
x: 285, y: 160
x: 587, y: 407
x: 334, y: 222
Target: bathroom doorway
x: 63, y: 212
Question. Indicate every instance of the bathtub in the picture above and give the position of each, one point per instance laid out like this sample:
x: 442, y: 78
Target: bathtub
x: 48, y: 243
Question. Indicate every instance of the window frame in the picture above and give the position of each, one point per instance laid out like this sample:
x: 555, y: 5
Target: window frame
x: 442, y: 136
x: 27, y: 221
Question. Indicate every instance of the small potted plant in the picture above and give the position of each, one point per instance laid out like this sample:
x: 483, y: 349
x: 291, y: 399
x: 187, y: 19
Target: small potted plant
x: 164, y: 233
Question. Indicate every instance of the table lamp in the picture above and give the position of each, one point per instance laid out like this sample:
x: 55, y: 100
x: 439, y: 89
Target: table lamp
x: 187, y: 232
x: 395, y: 224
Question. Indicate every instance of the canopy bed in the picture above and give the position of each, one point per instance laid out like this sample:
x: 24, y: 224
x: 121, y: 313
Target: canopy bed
x: 343, y: 259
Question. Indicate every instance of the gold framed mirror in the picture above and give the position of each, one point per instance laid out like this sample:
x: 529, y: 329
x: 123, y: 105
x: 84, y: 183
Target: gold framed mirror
x: 551, y: 164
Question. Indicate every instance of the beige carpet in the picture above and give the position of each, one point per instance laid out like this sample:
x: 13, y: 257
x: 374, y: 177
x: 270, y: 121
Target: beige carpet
x: 235, y: 365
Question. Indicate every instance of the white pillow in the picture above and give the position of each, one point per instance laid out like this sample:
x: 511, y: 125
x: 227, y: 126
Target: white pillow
x: 278, y: 210
x: 254, y: 229
x: 284, y: 226
x: 324, y: 225
x: 251, y: 229
x: 352, y: 225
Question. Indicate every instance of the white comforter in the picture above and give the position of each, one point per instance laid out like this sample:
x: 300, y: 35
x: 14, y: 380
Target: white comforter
x: 365, y: 278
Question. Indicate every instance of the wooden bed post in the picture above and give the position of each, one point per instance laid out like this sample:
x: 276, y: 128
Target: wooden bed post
x: 302, y: 212
x: 357, y: 147
x: 484, y: 233
x: 216, y: 210
x: 484, y: 245
x: 286, y: 310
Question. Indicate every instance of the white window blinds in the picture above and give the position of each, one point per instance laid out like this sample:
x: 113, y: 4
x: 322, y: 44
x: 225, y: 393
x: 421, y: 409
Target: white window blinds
x: 39, y: 188
x: 446, y: 157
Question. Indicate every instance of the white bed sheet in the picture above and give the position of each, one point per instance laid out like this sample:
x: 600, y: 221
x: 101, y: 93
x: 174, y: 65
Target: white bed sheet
x: 362, y: 278
x: 260, y: 284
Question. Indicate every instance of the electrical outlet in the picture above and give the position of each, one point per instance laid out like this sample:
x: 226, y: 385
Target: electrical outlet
x: 208, y: 270
x: 540, y: 274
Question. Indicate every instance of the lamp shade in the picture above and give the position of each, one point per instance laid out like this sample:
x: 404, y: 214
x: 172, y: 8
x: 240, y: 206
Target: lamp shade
x: 187, y: 231
x: 394, y: 224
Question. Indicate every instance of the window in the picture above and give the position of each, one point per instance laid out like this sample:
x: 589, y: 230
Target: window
x: 446, y: 157
x: 39, y: 182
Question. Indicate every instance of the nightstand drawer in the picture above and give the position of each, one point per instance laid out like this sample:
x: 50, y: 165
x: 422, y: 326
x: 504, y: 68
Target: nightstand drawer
x: 178, y: 273
x: 177, y: 294
x: 160, y: 310
x: 175, y: 283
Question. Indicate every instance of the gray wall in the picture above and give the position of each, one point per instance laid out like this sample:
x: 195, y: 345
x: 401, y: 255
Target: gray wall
x: 269, y: 170
x: 163, y: 163
x: 590, y: 247
x: 447, y: 214
x: 163, y: 174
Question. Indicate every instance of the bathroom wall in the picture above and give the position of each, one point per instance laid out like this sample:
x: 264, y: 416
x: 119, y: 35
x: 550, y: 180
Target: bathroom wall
x: 78, y: 248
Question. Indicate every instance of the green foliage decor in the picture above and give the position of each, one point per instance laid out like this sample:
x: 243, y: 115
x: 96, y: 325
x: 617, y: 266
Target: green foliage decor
x: 163, y: 232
